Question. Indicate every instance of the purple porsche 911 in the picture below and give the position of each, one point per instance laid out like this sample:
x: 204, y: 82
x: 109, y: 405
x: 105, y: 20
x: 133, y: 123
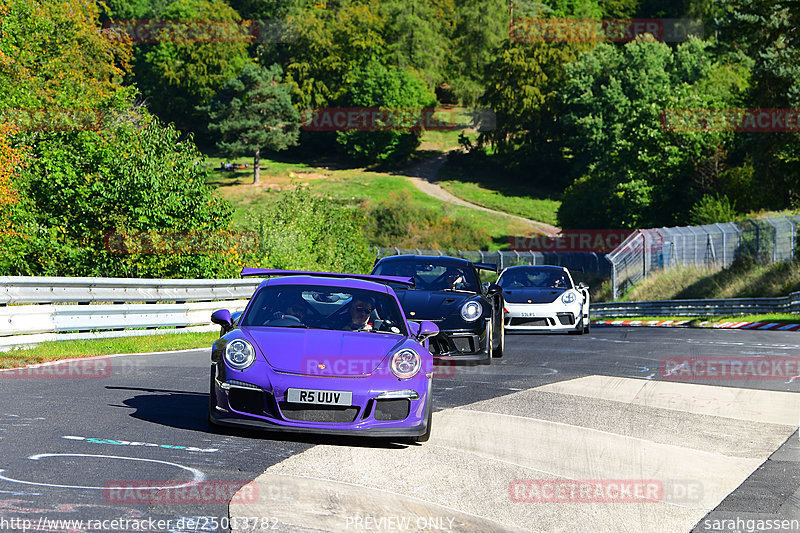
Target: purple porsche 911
x: 323, y: 353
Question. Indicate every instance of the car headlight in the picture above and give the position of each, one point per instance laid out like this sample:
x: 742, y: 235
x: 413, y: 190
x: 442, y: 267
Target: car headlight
x: 471, y: 311
x: 239, y: 354
x: 568, y: 297
x: 406, y: 363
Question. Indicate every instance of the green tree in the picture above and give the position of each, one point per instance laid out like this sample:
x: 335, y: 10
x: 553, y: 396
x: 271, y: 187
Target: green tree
x: 178, y: 75
x: 123, y: 172
x: 767, y: 32
x: 325, y: 43
x: 480, y: 27
x: 394, y: 90
x: 254, y: 111
x: 418, y: 36
x: 639, y: 172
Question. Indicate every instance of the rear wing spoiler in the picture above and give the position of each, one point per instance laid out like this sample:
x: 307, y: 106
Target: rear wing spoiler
x: 486, y: 266
x: 267, y: 272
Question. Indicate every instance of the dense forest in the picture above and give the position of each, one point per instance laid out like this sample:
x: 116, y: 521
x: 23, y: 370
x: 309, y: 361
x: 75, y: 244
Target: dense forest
x: 105, y: 112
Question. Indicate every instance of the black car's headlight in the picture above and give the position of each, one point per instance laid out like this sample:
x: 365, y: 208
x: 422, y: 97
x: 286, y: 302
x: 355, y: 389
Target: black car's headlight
x: 471, y: 311
x: 406, y: 363
x: 239, y: 354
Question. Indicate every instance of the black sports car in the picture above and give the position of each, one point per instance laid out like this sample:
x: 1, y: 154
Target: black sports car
x: 449, y: 293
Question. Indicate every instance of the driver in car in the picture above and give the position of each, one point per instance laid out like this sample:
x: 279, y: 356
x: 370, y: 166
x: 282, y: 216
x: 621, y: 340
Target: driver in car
x: 359, y: 313
x: 295, y: 307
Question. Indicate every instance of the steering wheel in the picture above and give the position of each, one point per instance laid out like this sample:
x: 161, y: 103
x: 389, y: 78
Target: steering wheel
x: 285, y: 321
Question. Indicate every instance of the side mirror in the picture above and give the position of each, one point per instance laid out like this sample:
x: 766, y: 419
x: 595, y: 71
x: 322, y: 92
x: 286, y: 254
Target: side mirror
x: 413, y: 328
x: 493, y: 289
x: 582, y: 286
x: 222, y: 317
x: 427, y: 329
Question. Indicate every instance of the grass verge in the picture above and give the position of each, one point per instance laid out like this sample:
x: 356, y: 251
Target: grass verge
x: 743, y: 279
x: 363, y: 187
x: 57, y: 350
x: 483, y: 184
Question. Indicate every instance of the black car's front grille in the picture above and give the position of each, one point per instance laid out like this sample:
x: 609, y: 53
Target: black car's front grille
x: 335, y: 414
x: 396, y: 409
x: 454, y: 344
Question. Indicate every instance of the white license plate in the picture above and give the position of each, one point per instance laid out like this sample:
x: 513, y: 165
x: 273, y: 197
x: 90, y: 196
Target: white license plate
x: 528, y: 315
x: 319, y: 397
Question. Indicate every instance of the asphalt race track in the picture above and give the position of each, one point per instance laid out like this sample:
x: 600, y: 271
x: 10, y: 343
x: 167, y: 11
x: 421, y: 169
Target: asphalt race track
x: 510, y: 444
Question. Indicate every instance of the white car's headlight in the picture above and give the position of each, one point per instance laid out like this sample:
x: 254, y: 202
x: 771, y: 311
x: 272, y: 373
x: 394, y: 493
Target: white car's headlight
x: 568, y: 298
x: 471, y: 311
x: 239, y: 354
x: 406, y: 363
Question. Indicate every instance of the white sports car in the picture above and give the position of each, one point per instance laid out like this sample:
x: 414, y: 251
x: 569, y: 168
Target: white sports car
x: 544, y: 298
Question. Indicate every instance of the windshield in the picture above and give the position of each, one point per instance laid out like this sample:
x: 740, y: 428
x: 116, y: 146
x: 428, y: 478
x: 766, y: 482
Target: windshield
x: 429, y: 276
x: 539, y: 278
x: 334, y: 308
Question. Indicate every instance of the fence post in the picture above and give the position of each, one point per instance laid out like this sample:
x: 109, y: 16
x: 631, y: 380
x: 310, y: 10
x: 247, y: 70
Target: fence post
x: 724, y: 245
x: 774, y: 239
x: 758, y: 246
x: 791, y: 237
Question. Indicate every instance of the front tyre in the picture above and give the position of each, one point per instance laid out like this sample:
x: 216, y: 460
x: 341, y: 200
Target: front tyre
x: 212, y: 394
x: 425, y: 436
x: 501, y: 347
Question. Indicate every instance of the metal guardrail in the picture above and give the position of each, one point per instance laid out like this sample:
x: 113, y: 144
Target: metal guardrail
x: 174, y: 304
x: 24, y: 319
x: 29, y: 290
x: 185, y: 304
x: 730, y: 306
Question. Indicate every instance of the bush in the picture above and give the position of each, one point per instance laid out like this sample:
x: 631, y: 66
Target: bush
x: 305, y: 232
x: 399, y: 221
x: 712, y: 209
x: 132, y: 177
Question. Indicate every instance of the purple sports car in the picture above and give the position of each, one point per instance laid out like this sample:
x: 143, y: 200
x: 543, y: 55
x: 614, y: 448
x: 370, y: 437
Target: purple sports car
x: 323, y: 353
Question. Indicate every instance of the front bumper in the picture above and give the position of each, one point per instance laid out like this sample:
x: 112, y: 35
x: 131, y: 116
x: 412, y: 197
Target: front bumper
x: 462, y: 344
x: 547, y: 318
x: 259, y: 401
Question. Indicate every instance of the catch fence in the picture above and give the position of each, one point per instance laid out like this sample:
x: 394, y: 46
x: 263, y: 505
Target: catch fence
x: 766, y: 240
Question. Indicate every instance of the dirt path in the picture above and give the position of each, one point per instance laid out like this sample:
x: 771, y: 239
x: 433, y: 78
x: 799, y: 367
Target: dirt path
x: 423, y: 176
